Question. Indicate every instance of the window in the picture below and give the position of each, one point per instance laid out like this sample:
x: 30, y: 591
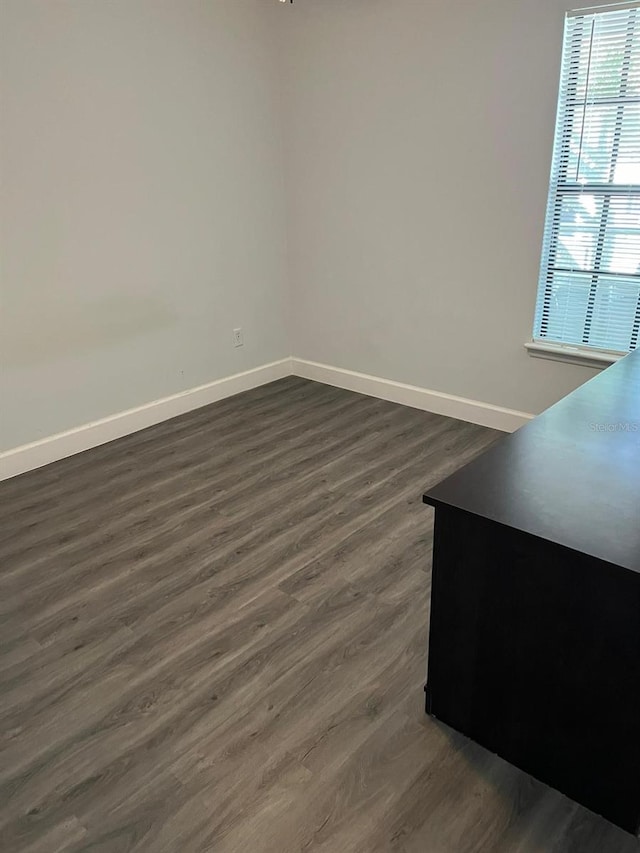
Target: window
x: 589, y: 289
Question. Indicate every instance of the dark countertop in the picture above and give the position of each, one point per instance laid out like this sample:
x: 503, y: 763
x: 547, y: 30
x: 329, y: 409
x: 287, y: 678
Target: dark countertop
x: 571, y: 476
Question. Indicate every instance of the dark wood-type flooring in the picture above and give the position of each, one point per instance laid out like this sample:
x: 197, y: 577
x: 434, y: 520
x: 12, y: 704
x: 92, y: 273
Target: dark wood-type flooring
x: 213, y: 637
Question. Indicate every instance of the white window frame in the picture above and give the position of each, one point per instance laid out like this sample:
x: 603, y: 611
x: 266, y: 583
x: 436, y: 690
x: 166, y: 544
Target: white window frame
x: 549, y: 348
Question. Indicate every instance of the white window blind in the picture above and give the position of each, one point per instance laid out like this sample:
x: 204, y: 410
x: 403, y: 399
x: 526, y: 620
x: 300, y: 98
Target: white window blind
x: 589, y: 289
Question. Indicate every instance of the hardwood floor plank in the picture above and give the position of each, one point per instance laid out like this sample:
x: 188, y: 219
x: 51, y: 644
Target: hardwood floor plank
x: 213, y: 638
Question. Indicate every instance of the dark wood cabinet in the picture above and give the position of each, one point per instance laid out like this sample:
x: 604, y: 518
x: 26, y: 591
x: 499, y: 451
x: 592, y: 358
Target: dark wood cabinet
x: 534, y: 647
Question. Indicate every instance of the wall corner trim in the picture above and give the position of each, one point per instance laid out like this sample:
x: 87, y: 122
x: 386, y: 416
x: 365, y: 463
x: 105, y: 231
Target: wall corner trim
x: 52, y: 448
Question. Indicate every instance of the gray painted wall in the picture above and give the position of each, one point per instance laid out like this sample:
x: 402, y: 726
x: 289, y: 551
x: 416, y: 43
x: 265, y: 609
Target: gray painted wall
x: 146, y: 207
x: 142, y: 205
x: 418, y: 141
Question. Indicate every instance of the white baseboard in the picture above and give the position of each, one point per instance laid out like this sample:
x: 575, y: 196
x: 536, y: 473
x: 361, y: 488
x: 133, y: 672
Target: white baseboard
x: 472, y: 411
x: 55, y: 447
x: 50, y: 449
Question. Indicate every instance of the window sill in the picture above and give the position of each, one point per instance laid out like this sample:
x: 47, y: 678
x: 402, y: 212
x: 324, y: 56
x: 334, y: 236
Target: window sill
x: 573, y: 355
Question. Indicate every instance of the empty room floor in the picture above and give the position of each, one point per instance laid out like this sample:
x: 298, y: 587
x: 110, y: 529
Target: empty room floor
x: 213, y: 638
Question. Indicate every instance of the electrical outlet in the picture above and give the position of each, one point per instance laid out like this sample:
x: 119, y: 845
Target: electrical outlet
x: 238, y: 338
